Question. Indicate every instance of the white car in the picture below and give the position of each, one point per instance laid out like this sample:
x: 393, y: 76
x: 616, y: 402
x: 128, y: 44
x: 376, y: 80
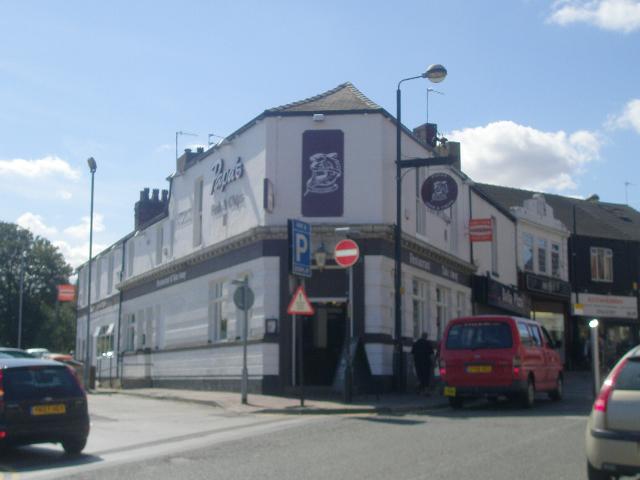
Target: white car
x: 613, y: 430
x: 38, y: 352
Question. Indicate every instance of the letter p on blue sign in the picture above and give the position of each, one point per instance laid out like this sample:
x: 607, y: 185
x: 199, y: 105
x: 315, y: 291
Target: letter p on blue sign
x: 300, y: 248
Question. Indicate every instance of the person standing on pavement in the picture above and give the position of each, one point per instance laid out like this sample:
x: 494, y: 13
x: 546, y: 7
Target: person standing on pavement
x: 422, y: 352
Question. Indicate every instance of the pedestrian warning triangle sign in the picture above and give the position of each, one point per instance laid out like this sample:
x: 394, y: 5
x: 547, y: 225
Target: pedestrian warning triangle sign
x: 300, y: 304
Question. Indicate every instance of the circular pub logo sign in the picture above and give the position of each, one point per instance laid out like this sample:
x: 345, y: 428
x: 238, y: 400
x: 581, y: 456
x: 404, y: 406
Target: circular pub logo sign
x: 439, y: 191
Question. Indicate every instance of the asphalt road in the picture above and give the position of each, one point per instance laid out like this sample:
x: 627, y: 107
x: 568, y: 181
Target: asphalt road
x: 482, y: 441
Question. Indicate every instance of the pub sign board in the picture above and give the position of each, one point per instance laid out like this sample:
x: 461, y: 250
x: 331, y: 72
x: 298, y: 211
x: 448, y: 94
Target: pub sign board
x: 322, y: 173
x: 439, y: 191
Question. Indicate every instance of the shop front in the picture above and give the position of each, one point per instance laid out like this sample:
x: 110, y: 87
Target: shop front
x: 550, y: 306
x: 618, y: 330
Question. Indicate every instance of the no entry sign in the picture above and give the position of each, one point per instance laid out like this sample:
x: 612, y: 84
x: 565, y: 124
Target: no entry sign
x: 346, y: 253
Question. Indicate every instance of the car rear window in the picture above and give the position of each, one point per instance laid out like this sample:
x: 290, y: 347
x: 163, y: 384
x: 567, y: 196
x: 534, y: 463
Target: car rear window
x: 629, y: 377
x: 479, y: 335
x: 34, y: 383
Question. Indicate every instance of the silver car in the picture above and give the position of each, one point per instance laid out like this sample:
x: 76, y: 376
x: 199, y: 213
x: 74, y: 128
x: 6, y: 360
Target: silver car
x: 613, y: 430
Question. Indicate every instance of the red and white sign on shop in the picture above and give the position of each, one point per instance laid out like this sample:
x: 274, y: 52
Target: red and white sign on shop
x: 346, y: 253
x: 481, y: 230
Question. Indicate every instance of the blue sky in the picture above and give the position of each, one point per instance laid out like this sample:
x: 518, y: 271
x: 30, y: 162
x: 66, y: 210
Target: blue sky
x: 542, y: 94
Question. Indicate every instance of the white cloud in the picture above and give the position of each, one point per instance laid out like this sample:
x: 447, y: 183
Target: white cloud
x: 64, y: 194
x: 78, y: 254
x: 629, y: 118
x: 35, y: 224
x: 43, y: 167
x: 505, y: 153
x: 165, y: 148
x: 616, y: 15
x: 82, y: 230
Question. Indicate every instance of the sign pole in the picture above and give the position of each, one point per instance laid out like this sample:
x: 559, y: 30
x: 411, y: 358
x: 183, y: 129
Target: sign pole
x: 243, y: 299
x: 301, y: 354
x: 294, y: 357
x: 348, y: 377
x: 245, y: 371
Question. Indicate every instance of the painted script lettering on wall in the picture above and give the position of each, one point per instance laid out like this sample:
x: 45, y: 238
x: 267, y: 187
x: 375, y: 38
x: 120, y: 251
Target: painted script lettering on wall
x: 222, y: 177
x: 322, y: 173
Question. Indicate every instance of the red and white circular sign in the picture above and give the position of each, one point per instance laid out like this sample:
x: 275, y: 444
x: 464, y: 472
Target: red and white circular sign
x: 346, y: 253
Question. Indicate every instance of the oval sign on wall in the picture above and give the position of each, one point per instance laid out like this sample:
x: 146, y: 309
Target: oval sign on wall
x: 439, y: 191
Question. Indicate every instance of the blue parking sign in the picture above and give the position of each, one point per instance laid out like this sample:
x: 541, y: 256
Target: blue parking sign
x: 300, y: 248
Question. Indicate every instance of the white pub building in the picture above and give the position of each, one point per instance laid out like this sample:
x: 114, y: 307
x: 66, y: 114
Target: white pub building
x: 162, y: 299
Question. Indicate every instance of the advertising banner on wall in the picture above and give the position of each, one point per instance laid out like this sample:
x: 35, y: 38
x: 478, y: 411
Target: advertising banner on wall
x: 322, y: 173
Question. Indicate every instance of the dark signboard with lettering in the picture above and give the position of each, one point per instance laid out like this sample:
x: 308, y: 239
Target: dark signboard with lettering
x: 505, y: 297
x: 322, y: 173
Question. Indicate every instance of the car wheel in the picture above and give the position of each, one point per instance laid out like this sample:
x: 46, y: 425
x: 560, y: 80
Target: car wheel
x: 456, y: 402
x: 557, y: 394
x: 529, y: 395
x: 73, y: 446
x: 594, y: 474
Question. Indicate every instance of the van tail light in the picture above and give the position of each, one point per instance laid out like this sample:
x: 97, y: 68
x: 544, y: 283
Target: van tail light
x: 517, y: 363
x: 602, y: 400
x: 443, y: 369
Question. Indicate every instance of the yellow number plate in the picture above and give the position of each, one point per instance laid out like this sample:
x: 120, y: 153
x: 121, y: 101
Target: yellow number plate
x: 449, y: 391
x: 479, y: 369
x: 56, y: 409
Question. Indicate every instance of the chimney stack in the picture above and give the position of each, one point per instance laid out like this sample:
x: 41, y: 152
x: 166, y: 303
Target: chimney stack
x: 146, y: 209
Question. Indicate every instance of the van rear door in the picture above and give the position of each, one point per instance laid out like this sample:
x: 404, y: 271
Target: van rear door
x: 479, y: 353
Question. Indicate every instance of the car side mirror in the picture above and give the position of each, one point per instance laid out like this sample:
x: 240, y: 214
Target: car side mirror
x: 557, y: 344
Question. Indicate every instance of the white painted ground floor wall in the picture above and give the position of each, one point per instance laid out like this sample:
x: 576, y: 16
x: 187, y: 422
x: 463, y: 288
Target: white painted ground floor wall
x: 171, y: 335
x: 428, y: 300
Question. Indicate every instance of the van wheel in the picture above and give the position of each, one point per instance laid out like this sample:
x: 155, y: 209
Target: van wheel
x: 529, y: 395
x: 73, y: 446
x: 456, y: 402
x: 556, y: 395
x: 595, y: 474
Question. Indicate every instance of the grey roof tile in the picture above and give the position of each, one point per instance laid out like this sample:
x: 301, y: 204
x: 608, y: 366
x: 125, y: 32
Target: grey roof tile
x: 344, y: 97
x: 594, y: 219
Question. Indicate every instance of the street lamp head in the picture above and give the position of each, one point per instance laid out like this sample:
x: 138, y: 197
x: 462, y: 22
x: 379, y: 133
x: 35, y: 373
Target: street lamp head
x: 593, y: 323
x: 92, y: 164
x: 436, y: 73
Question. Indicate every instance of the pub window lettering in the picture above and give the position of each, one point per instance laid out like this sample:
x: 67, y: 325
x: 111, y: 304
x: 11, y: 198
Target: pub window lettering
x: 601, y: 264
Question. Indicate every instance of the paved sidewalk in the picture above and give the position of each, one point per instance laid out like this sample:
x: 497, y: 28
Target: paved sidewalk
x: 577, y: 385
x: 231, y: 401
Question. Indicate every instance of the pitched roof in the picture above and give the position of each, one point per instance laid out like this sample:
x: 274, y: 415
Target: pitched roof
x: 344, y: 97
x: 592, y: 218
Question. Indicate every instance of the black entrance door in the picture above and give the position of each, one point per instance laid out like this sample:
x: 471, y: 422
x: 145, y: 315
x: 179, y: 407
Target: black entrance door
x: 323, y: 336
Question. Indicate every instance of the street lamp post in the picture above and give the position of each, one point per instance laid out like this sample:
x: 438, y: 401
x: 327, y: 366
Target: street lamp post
x: 595, y: 351
x: 87, y: 365
x: 436, y: 73
x: 23, y: 257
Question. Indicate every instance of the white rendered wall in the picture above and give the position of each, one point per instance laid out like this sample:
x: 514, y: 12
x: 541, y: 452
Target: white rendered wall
x: 506, y: 236
x: 180, y: 312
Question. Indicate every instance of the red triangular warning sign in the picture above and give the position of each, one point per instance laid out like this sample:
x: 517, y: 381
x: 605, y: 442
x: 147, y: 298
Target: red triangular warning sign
x: 300, y: 304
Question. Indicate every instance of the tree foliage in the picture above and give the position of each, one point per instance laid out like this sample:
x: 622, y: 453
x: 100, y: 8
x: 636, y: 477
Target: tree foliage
x: 44, y: 323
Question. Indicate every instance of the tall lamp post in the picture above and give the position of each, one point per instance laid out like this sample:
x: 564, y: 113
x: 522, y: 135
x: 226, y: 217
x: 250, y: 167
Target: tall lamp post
x: 87, y: 357
x: 436, y: 73
x: 23, y: 257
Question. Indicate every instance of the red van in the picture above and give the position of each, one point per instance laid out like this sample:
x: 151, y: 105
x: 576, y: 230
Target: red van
x: 492, y: 355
